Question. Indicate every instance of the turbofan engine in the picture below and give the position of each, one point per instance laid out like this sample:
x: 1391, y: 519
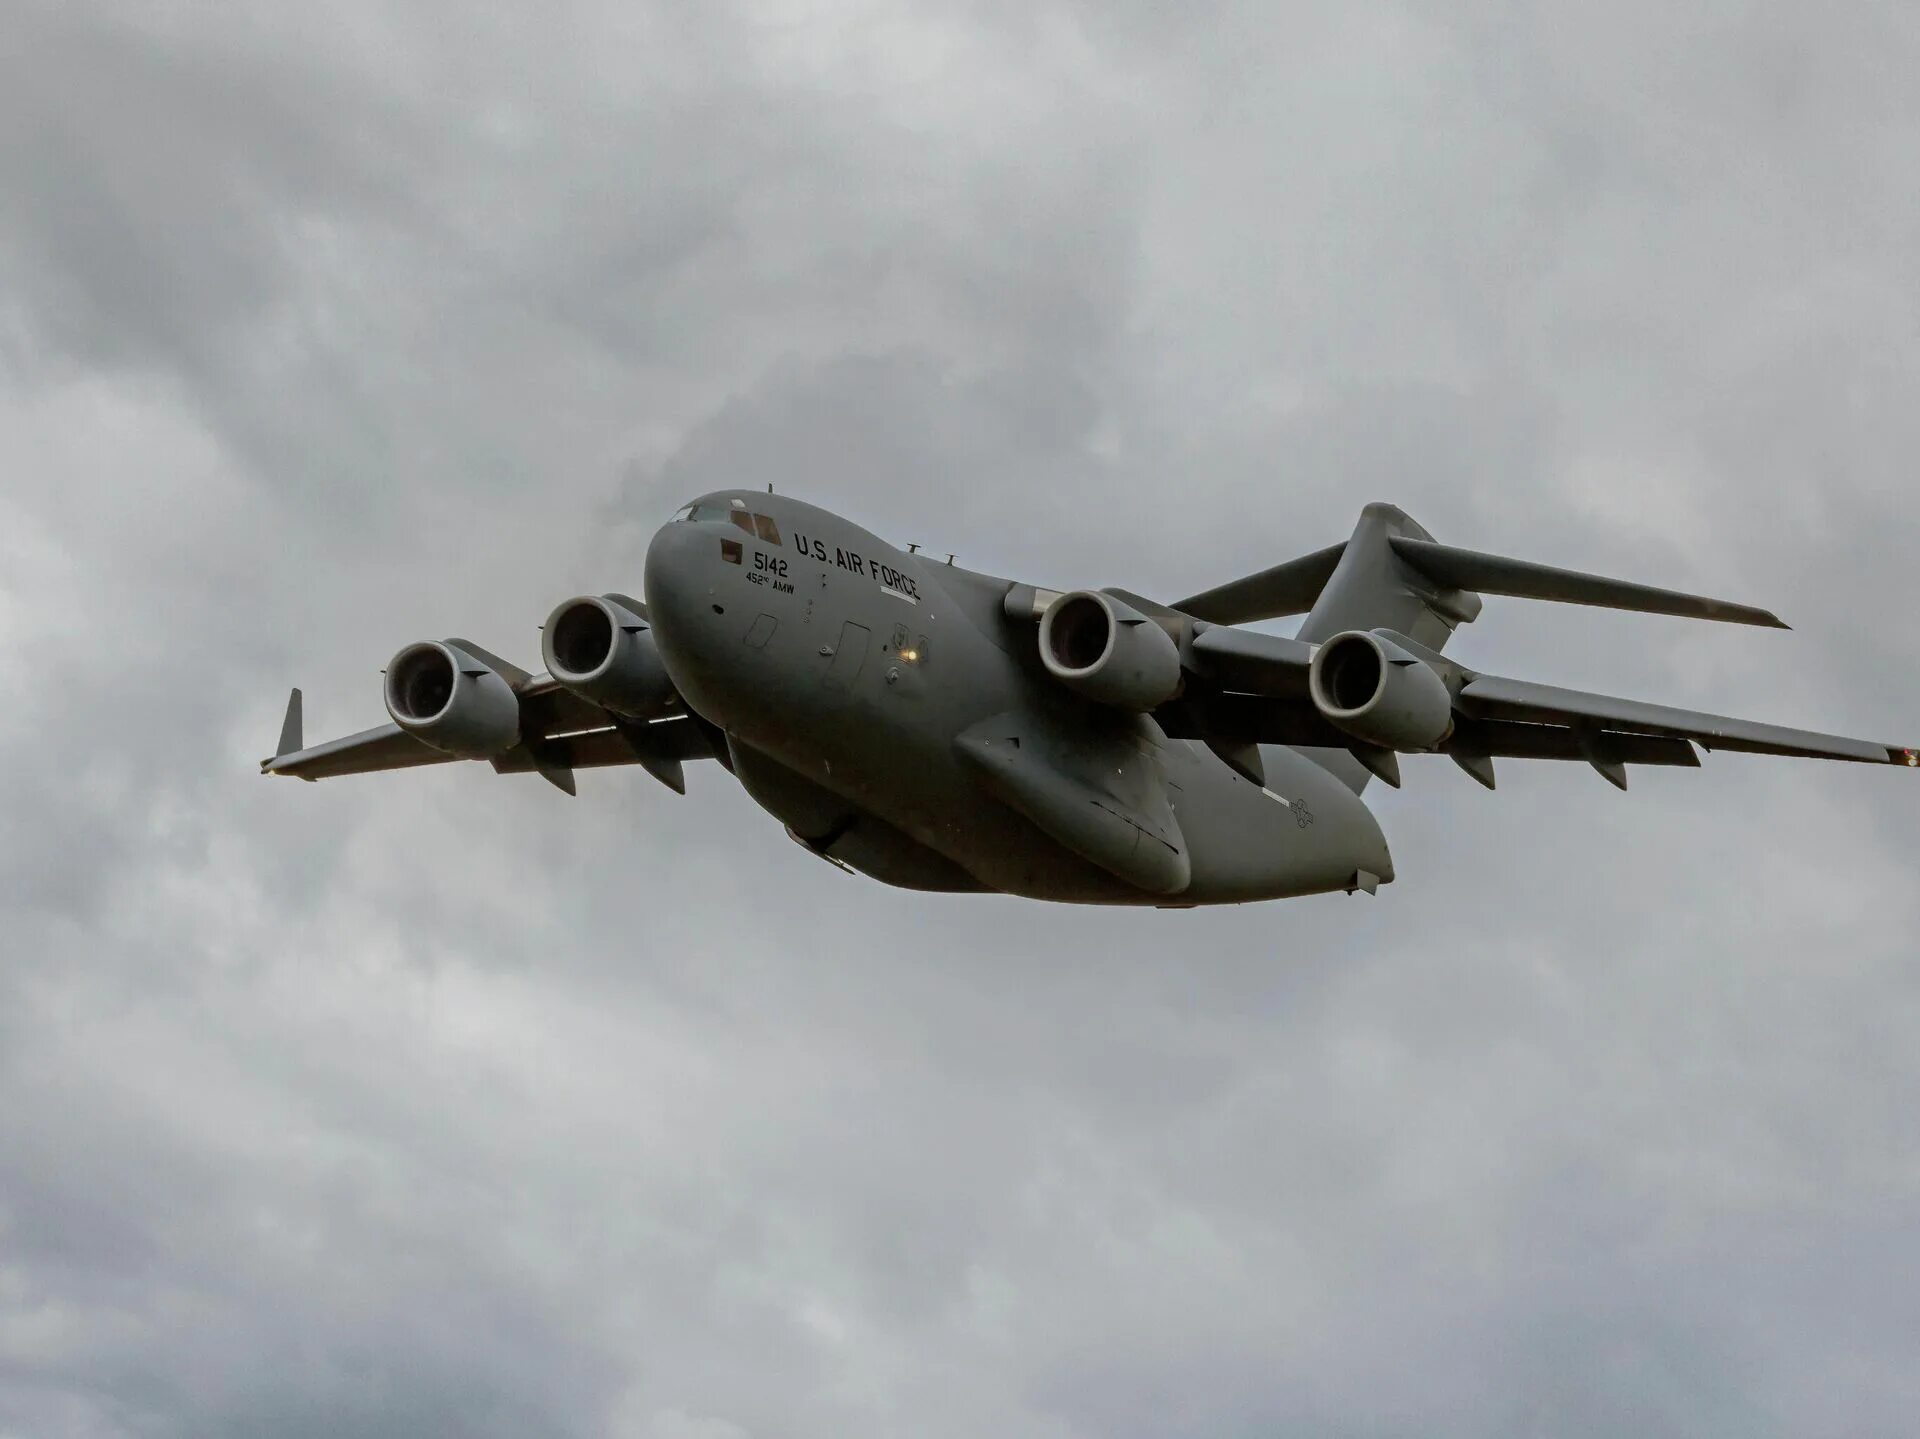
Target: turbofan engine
x: 1368, y: 686
x: 600, y: 649
x: 1109, y: 652
x: 443, y: 696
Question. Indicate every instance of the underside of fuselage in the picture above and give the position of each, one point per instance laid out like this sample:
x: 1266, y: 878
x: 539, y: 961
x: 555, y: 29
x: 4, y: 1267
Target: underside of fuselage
x: 884, y: 711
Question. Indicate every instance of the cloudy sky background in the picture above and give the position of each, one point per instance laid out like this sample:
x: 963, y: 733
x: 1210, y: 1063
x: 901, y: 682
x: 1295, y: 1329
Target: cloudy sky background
x: 438, y: 1103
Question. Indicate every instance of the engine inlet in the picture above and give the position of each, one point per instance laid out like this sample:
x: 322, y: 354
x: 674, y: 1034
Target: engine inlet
x: 1079, y: 632
x: 581, y: 640
x: 420, y: 683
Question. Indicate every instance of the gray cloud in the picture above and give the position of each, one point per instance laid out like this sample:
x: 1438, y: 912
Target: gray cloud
x: 439, y: 1104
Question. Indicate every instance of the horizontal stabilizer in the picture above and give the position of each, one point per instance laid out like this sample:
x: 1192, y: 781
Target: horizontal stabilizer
x: 1494, y: 575
x: 1288, y: 589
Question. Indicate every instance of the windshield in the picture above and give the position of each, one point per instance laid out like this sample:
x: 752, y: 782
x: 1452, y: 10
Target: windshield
x: 761, y: 526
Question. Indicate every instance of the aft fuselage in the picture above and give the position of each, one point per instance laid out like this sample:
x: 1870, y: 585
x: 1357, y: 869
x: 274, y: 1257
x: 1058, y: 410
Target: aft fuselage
x: 859, y: 686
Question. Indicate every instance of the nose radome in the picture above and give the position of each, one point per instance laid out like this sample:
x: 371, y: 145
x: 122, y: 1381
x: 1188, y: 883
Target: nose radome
x: 673, y: 573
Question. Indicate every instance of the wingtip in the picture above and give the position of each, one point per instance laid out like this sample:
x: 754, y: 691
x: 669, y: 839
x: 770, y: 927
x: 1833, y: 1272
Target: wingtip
x: 273, y: 766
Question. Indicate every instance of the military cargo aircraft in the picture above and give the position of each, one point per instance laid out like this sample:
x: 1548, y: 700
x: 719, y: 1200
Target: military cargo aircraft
x: 940, y: 729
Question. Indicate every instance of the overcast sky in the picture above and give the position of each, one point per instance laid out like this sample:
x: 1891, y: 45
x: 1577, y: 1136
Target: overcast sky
x: 439, y: 1103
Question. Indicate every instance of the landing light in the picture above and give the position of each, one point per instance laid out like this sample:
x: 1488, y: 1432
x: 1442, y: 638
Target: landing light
x: 911, y: 655
x: 1913, y: 760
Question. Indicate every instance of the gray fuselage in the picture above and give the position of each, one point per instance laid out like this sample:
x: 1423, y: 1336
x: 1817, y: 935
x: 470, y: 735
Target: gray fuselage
x: 892, y: 715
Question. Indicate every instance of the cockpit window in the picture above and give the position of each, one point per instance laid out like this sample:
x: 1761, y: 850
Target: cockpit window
x: 760, y: 526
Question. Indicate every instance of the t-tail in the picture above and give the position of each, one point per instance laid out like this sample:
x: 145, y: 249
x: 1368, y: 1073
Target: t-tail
x: 1391, y: 596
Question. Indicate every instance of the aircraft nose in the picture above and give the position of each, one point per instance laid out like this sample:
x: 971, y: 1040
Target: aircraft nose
x: 673, y: 576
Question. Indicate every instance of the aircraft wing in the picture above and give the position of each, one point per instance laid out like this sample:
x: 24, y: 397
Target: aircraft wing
x: 385, y: 746
x: 1257, y: 694
x: 560, y: 732
x: 1495, y: 698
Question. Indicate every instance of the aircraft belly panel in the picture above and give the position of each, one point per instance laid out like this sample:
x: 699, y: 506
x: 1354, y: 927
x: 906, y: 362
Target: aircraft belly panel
x: 837, y: 830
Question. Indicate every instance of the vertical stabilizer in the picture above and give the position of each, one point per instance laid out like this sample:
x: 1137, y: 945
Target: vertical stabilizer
x: 1372, y: 587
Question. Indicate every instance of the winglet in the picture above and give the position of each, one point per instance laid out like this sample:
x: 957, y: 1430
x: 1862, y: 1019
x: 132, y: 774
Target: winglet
x: 290, y: 741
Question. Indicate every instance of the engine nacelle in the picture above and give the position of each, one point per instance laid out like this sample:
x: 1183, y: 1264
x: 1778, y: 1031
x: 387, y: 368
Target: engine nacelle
x: 1109, y: 652
x: 443, y: 696
x: 601, y: 650
x: 1368, y: 686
